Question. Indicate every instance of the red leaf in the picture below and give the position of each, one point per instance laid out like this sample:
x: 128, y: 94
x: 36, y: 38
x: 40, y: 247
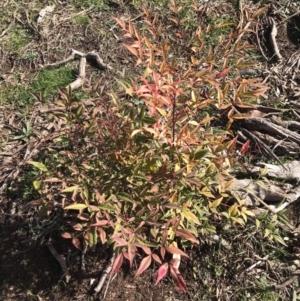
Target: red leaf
x: 76, y: 243
x: 144, y: 265
x: 179, y: 281
x: 120, y: 242
x: 83, y: 216
x: 131, y: 254
x: 156, y: 258
x: 162, y: 252
x: 77, y: 227
x: 223, y: 73
x: 245, y: 147
x: 102, y: 222
x: 117, y: 263
x: 162, y: 272
x: 52, y: 180
x: 174, y: 250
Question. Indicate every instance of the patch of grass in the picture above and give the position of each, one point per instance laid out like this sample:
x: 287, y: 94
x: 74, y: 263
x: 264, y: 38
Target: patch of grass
x: 103, y: 4
x: 17, y: 39
x: 219, y: 30
x: 264, y: 290
x: 82, y: 20
x: 46, y: 83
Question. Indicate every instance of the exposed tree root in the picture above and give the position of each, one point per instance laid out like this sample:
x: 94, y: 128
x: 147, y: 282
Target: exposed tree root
x: 92, y: 57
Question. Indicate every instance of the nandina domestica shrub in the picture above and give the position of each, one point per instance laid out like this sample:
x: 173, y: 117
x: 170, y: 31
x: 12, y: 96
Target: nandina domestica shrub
x: 149, y: 178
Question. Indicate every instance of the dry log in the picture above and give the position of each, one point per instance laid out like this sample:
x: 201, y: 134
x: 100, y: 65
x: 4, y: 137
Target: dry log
x: 274, y: 196
x: 289, y: 171
x: 266, y: 126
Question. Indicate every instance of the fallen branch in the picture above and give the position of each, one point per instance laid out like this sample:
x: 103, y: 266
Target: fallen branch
x: 273, y: 39
x: 271, y: 128
x: 272, y: 195
x: 286, y: 283
x: 104, y: 274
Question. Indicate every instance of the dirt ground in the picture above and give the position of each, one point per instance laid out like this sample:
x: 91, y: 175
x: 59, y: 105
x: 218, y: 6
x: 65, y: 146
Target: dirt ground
x: 28, y: 271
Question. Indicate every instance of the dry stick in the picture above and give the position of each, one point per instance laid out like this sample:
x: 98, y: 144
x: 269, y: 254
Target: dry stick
x: 256, y: 264
x: 261, y: 143
x: 262, y: 124
x: 273, y: 39
x: 263, y: 203
x: 61, y: 259
x: 258, y: 43
x: 290, y: 17
x: 7, y: 29
x: 104, y: 274
x: 242, y: 33
x: 286, y: 283
x: 111, y: 278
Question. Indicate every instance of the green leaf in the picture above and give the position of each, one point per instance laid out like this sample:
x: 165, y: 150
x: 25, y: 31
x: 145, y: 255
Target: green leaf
x: 76, y: 207
x: 107, y: 207
x: 71, y: 188
x: 125, y: 197
x: 191, y: 217
x: 200, y: 153
x: 146, y: 243
x: 280, y: 240
x: 38, y: 165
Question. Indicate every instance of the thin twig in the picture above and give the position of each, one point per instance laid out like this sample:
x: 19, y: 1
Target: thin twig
x: 256, y: 264
x: 273, y: 39
x: 286, y: 283
x: 259, y: 45
x: 290, y: 17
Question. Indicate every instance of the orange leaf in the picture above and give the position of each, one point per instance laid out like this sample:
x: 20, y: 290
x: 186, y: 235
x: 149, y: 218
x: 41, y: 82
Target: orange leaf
x: 121, y: 23
x: 245, y: 147
x: 102, y: 235
x: 131, y: 49
x: 144, y: 265
x: 76, y: 243
x: 66, y: 235
x: 174, y: 250
x: 186, y: 234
